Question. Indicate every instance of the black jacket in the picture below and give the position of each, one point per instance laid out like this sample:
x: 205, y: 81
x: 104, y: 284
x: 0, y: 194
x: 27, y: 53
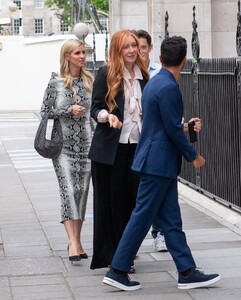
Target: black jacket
x: 105, y: 140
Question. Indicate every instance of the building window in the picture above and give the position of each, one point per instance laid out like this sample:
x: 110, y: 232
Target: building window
x: 18, y: 3
x: 103, y: 22
x: 16, y: 26
x: 38, y: 3
x: 39, y: 26
x: 64, y: 27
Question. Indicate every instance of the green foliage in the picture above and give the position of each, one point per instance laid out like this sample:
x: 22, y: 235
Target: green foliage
x: 67, y: 4
x: 60, y: 4
x: 62, y: 8
x: 101, y: 4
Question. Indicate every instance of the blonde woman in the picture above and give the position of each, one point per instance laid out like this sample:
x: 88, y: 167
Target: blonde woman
x: 67, y: 97
x: 116, y: 107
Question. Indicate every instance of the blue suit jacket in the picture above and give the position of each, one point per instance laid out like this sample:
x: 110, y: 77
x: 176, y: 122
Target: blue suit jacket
x: 163, y: 142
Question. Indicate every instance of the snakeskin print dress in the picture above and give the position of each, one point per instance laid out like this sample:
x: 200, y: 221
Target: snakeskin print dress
x: 72, y: 167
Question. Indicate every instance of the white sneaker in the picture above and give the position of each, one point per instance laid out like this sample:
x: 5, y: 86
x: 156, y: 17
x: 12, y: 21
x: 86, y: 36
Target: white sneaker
x: 159, y: 243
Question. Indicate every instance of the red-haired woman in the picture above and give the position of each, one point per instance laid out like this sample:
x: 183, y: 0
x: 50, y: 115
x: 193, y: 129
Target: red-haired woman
x: 116, y: 107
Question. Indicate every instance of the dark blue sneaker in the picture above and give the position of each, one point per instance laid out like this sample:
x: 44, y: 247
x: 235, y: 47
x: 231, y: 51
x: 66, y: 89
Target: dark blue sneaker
x: 196, y: 279
x: 121, y: 281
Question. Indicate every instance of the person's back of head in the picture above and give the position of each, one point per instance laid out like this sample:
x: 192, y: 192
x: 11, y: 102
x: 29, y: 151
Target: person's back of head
x: 173, y: 51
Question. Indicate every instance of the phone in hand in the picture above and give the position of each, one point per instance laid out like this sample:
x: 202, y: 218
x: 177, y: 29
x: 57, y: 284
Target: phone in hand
x: 192, y: 133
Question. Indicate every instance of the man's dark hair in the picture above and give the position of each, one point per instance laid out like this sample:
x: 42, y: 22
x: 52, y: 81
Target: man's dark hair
x: 143, y: 34
x: 173, y: 51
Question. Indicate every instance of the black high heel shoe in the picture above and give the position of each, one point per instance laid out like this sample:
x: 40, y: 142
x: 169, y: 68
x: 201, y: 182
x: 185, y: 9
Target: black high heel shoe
x: 73, y: 257
x: 84, y: 255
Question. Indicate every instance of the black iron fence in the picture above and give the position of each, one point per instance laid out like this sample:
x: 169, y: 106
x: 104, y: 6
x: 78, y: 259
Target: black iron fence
x: 211, y: 90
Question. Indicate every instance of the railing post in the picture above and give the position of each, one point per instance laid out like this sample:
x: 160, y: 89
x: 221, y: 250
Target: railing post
x: 238, y: 32
x: 195, y: 53
x: 238, y: 69
x: 94, y: 54
x: 106, y: 45
x: 195, y: 39
x: 238, y: 48
x: 166, y: 25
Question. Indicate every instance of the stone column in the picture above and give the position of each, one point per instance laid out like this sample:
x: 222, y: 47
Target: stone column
x: 223, y: 30
x: 128, y: 15
x: 115, y: 17
x: 156, y: 25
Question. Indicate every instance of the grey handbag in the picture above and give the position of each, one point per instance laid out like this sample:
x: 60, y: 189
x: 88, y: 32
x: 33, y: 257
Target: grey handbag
x: 49, y: 148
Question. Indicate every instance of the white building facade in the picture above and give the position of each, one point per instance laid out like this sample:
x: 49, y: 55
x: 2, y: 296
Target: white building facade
x: 32, y: 59
x: 216, y: 19
x: 26, y: 67
x: 32, y: 18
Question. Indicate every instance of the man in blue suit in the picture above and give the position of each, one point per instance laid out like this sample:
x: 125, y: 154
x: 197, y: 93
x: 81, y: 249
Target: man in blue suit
x: 158, y: 160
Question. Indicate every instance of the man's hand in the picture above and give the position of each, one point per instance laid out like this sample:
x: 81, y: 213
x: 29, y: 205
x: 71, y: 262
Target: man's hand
x: 198, y: 124
x: 198, y: 162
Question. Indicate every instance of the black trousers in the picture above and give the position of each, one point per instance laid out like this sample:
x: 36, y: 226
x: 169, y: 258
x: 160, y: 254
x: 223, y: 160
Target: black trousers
x: 115, y: 189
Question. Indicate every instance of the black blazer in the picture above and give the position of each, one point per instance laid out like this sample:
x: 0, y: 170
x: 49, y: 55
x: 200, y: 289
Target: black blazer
x: 105, y: 140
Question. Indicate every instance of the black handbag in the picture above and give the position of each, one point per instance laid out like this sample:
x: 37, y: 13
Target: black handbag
x: 49, y: 148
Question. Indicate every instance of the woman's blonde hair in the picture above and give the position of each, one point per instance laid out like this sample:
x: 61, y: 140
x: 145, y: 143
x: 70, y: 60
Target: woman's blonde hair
x: 87, y: 77
x: 116, y: 65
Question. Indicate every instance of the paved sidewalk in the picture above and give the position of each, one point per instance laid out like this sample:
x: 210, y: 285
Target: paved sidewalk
x: 33, y: 257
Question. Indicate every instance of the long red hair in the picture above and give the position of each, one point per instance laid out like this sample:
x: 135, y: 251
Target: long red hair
x: 116, y: 65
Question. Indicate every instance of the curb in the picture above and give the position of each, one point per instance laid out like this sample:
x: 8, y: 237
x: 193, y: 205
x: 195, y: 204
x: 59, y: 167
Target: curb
x: 223, y: 214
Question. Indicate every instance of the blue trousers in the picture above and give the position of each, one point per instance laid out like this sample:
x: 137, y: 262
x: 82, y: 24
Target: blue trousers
x: 157, y: 197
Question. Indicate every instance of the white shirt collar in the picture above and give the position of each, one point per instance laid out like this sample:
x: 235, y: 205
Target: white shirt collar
x: 137, y: 72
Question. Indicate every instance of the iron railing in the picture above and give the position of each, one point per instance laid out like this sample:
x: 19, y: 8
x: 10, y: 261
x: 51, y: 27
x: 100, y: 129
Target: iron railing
x: 211, y: 90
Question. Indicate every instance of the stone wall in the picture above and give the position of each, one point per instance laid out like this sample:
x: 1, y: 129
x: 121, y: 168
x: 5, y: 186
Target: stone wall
x: 217, y: 21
